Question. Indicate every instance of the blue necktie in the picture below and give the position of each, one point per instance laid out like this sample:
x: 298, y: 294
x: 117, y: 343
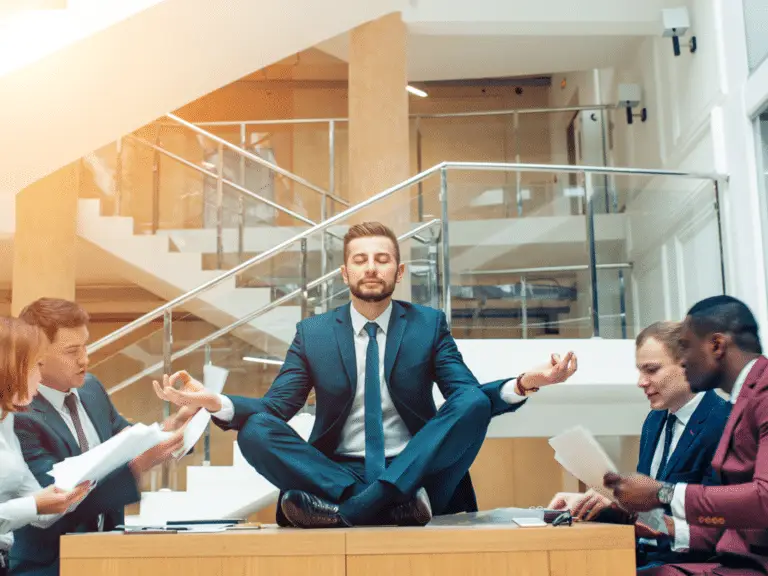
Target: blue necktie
x: 671, y: 418
x: 374, y: 425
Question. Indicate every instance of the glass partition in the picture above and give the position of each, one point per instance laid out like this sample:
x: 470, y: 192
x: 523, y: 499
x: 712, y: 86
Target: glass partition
x: 595, y: 253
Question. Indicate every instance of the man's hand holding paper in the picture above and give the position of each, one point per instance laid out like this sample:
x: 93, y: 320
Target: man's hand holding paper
x: 140, y: 445
x: 579, y: 453
x: 635, y: 492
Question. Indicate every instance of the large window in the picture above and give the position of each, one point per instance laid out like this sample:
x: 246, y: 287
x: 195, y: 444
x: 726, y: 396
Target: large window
x: 756, y: 23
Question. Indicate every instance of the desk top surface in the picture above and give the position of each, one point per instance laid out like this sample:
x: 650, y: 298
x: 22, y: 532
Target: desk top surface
x: 274, y: 541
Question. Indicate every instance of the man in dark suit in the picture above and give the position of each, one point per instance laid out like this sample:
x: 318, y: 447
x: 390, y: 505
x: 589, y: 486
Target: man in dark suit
x: 71, y: 414
x: 379, y: 451
x: 721, y: 348
x: 678, y: 438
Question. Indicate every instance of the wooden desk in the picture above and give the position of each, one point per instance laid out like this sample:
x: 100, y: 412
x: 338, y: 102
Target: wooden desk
x: 581, y: 550
x: 271, y: 552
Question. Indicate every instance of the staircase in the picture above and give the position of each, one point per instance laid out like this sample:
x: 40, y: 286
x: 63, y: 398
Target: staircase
x: 91, y: 59
x: 215, y: 492
x: 169, y: 274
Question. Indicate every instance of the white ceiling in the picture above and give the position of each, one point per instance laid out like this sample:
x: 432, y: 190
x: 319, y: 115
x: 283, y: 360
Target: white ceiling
x: 450, y: 57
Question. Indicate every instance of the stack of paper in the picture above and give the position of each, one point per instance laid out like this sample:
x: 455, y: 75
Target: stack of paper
x: 579, y: 453
x: 214, y: 379
x: 100, y: 461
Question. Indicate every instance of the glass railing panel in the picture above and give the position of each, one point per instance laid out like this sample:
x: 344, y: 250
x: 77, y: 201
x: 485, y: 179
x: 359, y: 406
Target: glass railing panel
x: 518, y: 275
x: 527, y: 275
x: 522, y: 303
x: 302, y: 148
x: 531, y: 136
x: 167, y: 176
x: 651, y: 234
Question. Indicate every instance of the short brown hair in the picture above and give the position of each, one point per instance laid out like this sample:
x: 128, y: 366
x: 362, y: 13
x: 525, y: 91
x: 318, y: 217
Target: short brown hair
x: 667, y: 333
x: 20, y: 345
x: 366, y: 229
x: 51, y: 314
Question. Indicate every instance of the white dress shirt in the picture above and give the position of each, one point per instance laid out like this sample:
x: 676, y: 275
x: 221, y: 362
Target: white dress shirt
x: 396, y: 434
x: 682, y: 530
x: 17, y: 487
x: 56, y: 398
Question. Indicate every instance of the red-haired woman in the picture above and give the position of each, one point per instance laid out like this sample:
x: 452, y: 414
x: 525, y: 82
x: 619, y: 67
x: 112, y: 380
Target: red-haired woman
x: 22, y: 501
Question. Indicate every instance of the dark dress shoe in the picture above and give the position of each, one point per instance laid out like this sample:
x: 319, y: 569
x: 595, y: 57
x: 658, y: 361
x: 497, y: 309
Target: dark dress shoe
x: 416, y: 512
x: 305, y: 510
x: 280, y: 518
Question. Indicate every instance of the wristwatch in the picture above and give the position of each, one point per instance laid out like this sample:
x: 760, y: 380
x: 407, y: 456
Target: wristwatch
x: 665, y: 493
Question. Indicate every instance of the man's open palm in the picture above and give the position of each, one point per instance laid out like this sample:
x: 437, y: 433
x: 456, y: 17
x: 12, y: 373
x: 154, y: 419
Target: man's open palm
x: 190, y: 392
x: 555, y: 371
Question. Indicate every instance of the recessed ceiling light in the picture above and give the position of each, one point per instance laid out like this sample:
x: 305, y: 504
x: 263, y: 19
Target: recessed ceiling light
x: 415, y: 91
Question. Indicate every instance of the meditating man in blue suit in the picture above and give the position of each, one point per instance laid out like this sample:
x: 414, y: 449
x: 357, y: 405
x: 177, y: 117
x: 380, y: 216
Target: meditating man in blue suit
x: 380, y: 452
x: 678, y: 441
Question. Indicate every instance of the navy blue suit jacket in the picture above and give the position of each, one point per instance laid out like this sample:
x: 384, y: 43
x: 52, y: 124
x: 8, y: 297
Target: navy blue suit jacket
x: 691, y: 461
x: 45, y: 439
x: 420, y: 352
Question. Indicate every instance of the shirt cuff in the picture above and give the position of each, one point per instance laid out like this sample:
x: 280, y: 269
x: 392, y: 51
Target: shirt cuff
x: 508, y: 393
x: 682, y: 540
x: 678, y: 501
x: 227, y: 412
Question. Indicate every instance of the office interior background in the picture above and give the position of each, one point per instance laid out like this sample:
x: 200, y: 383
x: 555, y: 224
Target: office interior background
x: 562, y: 174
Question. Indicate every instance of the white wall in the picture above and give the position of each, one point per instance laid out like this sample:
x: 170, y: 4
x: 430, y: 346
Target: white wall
x: 602, y: 395
x: 697, y: 121
x: 555, y: 17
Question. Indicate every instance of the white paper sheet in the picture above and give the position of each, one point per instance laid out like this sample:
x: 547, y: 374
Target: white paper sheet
x: 214, y: 379
x: 100, y: 461
x: 579, y: 453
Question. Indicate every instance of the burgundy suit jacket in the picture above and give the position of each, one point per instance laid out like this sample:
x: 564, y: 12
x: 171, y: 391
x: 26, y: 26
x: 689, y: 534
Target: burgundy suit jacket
x: 733, y: 517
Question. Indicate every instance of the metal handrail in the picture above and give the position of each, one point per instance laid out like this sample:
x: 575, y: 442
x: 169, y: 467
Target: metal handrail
x: 258, y: 159
x: 470, y: 166
x: 571, y: 169
x: 253, y: 315
x: 229, y: 183
x: 547, y: 269
x: 501, y: 112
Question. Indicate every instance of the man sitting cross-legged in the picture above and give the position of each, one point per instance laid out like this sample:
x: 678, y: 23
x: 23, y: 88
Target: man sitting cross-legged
x: 379, y: 452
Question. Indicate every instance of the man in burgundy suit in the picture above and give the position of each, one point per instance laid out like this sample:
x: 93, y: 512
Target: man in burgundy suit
x: 721, y: 348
